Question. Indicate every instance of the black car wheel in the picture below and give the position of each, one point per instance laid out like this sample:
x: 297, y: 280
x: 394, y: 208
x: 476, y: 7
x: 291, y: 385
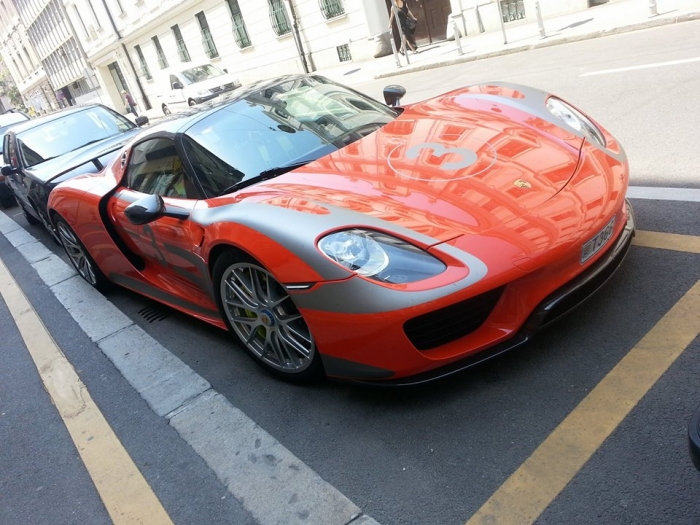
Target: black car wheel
x: 261, y: 313
x: 191, y: 103
x: 30, y: 218
x: 7, y: 201
x: 694, y: 438
x: 79, y: 257
x: 166, y: 110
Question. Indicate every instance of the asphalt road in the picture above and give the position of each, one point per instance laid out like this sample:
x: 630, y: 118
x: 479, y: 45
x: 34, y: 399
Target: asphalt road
x: 434, y: 454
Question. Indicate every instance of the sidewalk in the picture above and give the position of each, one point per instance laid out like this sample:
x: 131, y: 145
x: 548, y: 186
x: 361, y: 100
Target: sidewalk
x: 617, y: 16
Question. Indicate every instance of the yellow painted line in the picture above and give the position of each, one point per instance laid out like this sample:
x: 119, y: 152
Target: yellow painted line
x: 125, y: 493
x: 534, y: 485
x: 667, y: 241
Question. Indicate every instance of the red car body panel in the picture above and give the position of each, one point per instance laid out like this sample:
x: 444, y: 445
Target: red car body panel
x: 524, y: 205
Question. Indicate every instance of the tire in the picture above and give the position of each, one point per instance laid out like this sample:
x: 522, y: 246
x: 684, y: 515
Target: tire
x: 30, y: 218
x: 7, y: 201
x: 166, y: 110
x: 191, y: 103
x: 260, y: 312
x: 79, y: 257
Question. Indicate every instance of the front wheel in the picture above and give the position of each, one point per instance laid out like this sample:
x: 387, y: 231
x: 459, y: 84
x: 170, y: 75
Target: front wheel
x: 261, y: 313
x: 191, y: 103
x: 79, y: 256
x: 166, y: 110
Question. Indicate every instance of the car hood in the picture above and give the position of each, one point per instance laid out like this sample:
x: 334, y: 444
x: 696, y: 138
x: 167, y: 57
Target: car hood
x: 213, y: 82
x: 49, y: 170
x: 461, y: 163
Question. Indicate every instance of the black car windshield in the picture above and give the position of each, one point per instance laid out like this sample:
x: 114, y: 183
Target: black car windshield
x: 70, y: 132
x: 199, y: 73
x: 286, y: 124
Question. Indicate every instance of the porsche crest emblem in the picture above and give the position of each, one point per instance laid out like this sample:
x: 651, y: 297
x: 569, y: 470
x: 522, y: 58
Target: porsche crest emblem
x: 520, y: 183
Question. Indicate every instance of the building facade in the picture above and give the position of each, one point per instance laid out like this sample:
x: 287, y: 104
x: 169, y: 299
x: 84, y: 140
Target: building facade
x: 97, y: 49
x: 23, y: 65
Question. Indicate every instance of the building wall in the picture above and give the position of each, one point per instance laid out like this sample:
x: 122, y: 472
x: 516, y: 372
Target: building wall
x: 268, y: 55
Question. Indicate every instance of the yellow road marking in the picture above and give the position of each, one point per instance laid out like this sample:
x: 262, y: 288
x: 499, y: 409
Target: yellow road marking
x: 125, y: 493
x: 535, y: 484
x: 667, y: 241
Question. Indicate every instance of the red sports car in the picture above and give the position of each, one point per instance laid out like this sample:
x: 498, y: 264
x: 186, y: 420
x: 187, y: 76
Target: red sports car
x: 335, y: 235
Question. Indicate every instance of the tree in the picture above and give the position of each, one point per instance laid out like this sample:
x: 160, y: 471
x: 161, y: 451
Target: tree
x: 9, y: 89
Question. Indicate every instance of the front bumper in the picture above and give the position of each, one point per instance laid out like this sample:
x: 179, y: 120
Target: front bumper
x: 694, y: 438
x: 550, y: 309
x: 212, y: 96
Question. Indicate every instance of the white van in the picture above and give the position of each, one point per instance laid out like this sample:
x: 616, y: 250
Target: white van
x: 195, y: 85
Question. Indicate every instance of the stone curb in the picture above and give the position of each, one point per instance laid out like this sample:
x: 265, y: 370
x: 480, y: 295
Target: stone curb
x: 566, y: 40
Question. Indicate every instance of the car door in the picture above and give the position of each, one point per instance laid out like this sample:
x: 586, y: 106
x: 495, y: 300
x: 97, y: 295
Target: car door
x: 176, y: 95
x: 168, y: 245
x: 15, y: 179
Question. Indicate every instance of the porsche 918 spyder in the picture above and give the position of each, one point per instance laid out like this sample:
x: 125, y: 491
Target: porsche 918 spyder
x: 335, y: 235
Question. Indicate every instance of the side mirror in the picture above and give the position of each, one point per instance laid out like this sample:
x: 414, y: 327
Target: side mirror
x: 177, y: 85
x: 225, y: 70
x: 393, y: 94
x: 142, y: 120
x: 146, y: 209
x: 8, y: 170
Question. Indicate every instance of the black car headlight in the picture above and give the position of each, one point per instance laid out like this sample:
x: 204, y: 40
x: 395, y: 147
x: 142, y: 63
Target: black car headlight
x: 380, y: 256
x: 576, y: 120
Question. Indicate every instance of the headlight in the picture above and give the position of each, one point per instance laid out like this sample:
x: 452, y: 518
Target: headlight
x: 575, y: 119
x: 380, y: 256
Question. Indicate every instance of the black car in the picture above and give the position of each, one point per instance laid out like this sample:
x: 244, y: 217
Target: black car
x: 47, y: 150
x: 694, y: 438
x: 7, y: 120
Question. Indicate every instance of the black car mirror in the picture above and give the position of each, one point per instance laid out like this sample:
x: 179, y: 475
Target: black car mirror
x: 177, y: 85
x: 146, y: 209
x: 393, y: 94
x: 8, y: 170
x: 141, y: 120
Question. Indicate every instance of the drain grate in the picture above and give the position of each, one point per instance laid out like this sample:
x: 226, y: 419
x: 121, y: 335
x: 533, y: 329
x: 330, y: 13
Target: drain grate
x: 155, y: 312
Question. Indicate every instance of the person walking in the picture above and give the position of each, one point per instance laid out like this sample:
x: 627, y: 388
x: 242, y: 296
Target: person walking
x: 407, y: 21
x: 130, y: 102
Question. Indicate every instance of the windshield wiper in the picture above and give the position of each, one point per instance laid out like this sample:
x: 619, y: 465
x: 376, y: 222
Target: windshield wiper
x: 263, y: 175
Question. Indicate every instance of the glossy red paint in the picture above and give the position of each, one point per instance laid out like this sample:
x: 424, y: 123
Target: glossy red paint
x: 468, y: 174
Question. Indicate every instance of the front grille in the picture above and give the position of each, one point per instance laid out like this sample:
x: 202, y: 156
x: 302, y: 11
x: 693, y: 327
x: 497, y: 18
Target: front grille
x: 452, y: 322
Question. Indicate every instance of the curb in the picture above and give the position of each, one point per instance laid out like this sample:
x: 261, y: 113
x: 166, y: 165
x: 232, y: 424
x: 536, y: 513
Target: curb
x: 566, y: 40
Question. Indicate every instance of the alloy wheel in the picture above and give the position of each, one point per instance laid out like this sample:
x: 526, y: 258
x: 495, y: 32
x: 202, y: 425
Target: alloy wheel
x: 266, y: 319
x: 76, y: 253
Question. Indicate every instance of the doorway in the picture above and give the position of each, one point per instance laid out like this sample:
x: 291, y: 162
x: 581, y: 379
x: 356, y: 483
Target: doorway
x: 432, y: 20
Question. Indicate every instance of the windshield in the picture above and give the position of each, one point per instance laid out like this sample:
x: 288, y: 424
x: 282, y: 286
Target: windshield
x: 199, y: 73
x: 70, y: 132
x: 286, y: 124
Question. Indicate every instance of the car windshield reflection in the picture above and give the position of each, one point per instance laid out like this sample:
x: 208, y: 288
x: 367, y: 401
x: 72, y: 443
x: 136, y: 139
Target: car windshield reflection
x: 287, y: 124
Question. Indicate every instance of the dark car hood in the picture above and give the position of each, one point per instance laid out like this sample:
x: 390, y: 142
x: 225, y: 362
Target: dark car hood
x: 46, y: 171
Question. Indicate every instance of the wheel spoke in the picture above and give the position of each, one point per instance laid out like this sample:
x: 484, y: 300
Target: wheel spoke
x: 265, y: 318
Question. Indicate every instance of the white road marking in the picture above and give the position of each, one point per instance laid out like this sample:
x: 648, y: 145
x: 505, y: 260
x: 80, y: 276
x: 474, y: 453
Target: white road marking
x: 644, y: 66
x: 272, y: 483
x: 664, y: 194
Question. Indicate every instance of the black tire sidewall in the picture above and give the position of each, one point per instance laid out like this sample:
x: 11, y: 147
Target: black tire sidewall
x: 101, y: 282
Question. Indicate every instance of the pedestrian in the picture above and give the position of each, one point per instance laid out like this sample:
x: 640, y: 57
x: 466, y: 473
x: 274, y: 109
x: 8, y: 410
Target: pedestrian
x: 407, y: 21
x: 130, y: 103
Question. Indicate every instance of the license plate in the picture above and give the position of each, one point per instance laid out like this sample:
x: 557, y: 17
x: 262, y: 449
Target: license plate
x: 594, y: 245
